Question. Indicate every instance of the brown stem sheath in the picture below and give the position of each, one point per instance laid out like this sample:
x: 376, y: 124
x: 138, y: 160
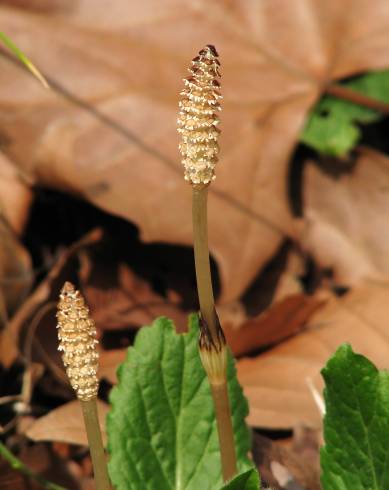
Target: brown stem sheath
x: 225, y: 430
x: 89, y: 410
x: 346, y: 93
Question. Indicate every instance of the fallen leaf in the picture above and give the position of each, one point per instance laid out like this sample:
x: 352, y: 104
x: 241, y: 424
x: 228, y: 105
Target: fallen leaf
x: 345, y: 219
x: 15, y: 195
x: 283, y: 319
x: 109, y: 131
x: 109, y: 361
x: 276, y: 383
x: 41, y: 459
x: 46, y: 291
x: 298, y: 458
x: 66, y: 424
x: 16, y: 275
x: 118, y: 298
x: 233, y: 314
x: 290, y: 282
x: 11, y: 479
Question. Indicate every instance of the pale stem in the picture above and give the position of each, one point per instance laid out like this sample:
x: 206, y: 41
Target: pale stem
x: 225, y: 430
x: 89, y: 410
x: 207, y: 309
x: 201, y: 254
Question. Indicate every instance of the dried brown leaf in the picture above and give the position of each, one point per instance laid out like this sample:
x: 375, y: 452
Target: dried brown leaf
x: 65, y: 424
x: 47, y: 290
x: 114, y: 141
x: 283, y: 319
x: 277, y: 382
x: 16, y: 273
x: 345, y: 219
x: 15, y: 195
x: 298, y: 457
x: 109, y: 363
x: 118, y: 298
x: 16, y: 278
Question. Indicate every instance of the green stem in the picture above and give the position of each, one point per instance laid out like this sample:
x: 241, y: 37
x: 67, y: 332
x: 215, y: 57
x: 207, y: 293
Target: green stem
x: 25, y: 470
x: 208, y: 314
x: 89, y: 410
x: 23, y: 59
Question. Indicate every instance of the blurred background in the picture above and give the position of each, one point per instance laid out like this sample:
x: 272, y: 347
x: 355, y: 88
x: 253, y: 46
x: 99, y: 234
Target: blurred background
x: 92, y: 191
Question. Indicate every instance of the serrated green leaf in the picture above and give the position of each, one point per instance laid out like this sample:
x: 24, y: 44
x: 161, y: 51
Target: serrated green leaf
x: 161, y: 428
x: 332, y: 127
x: 356, y: 424
x: 23, y: 59
x: 249, y: 480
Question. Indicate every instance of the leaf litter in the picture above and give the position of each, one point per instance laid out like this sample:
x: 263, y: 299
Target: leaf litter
x: 100, y: 128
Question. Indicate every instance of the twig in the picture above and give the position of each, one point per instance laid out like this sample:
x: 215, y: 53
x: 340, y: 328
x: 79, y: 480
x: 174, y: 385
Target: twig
x: 345, y: 93
x: 25, y: 470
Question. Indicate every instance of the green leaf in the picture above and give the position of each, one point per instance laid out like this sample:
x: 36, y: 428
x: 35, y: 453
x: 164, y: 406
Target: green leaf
x: 161, y: 428
x: 249, y: 480
x: 332, y: 127
x: 23, y: 59
x: 356, y: 424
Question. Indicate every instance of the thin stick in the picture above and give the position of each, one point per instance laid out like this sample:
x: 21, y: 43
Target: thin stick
x: 25, y: 470
x: 342, y: 92
x: 23, y: 59
x: 212, y: 344
x: 89, y: 410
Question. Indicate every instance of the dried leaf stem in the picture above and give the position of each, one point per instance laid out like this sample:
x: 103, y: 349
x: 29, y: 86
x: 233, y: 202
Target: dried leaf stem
x: 18, y: 465
x: 77, y: 336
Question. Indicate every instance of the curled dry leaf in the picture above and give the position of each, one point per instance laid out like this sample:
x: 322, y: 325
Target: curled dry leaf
x: 283, y: 319
x: 346, y: 218
x: 296, y: 460
x: 109, y: 363
x: 45, y: 292
x: 118, y: 298
x: 109, y: 132
x: 276, y: 383
x: 15, y: 195
x: 66, y: 424
x: 16, y: 273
